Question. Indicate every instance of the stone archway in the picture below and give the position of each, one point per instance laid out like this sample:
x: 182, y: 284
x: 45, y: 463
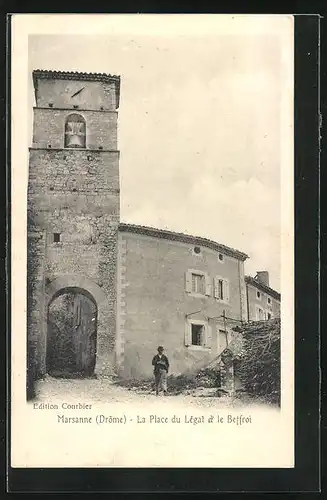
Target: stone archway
x: 94, y: 299
x: 71, y: 334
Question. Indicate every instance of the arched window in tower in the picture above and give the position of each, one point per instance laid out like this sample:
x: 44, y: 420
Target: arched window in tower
x: 75, y: 131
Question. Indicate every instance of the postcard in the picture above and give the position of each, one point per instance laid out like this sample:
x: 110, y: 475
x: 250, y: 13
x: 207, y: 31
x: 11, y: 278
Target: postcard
x: 152, y: 241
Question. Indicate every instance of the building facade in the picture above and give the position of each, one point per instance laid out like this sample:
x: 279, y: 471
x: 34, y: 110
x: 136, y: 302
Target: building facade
x: 263, y: 301
x: 102, y: 295
x: 177, y: 290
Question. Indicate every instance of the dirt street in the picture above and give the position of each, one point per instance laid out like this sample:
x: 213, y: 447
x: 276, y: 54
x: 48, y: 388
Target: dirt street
x: 104, y: 390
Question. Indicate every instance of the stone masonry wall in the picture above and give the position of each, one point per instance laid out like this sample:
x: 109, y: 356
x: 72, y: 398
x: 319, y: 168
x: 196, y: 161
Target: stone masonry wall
x: 87, y: 223
x: 49, y: 128
x: 62, y: 171
x: 36, y: 250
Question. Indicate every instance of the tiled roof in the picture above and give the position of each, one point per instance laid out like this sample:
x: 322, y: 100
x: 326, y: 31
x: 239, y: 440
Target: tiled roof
x: 184, y: 238
x: 262, y: 287
x: 76, y: 75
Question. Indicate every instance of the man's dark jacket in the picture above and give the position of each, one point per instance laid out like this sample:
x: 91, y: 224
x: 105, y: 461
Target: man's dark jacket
x: 159, y: 363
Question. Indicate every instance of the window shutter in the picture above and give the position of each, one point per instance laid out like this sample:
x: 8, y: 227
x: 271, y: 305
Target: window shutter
x: 216, y: 289
x: 208, y: 336
x: 188, y: 281
x: 207, y: 284
x: 226, y: 290
x: 188, y: 334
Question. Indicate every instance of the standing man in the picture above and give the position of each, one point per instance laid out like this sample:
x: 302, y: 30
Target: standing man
x: 161, y: 366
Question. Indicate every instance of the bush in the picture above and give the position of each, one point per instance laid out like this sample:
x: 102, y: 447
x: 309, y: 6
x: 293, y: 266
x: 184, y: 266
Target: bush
x: 259, y: 367
x: 208, y: 377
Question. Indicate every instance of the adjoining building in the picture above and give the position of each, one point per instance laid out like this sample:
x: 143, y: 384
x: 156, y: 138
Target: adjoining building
x: 102, y: 294
x: 263, y: 301
x: 181, y: 291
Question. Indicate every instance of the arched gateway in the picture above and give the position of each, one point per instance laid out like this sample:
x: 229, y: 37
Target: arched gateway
x: 71, y: 334
x: 77, y: 309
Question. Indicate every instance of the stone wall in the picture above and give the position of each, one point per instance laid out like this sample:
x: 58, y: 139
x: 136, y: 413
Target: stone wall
x: 36, y: 252
x: 49, y: 128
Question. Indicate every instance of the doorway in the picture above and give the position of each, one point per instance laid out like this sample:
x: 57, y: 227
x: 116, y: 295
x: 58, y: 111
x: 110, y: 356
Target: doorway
x: 72, y: 334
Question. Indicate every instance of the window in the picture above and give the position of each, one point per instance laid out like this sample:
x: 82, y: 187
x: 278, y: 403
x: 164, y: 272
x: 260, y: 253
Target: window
x: 258, y: 295
x: 197, y: 250
x: 221, y: 257
x: 221, y: 289
x: 268, y: 315
x: 75, y: 131
x: 269, y: 300
x: 198, y: 283
x: 197, y: 334
x: 56, y: 237
x: 260, y: 315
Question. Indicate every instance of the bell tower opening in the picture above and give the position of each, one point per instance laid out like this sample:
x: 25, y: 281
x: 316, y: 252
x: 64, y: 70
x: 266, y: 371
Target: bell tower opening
x: 75, y: 131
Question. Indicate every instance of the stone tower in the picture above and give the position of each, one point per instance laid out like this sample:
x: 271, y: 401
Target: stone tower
x: 73, y: 217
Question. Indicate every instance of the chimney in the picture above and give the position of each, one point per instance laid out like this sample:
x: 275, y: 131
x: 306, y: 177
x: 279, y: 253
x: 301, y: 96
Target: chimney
x: 263, y: 277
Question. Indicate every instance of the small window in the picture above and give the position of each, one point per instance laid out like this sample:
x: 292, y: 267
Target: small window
x: 268, y: 315
x: 197, y: 334
x: 258, y: 295
x: 221, y: 257
x: 198, y: 283
x: 56, y: 237
x: 197, y: 250
x: 260, y: 314
x: 269, y: 300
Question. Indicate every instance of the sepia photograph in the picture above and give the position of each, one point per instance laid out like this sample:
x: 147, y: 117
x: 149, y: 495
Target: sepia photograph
x: 157, y: 244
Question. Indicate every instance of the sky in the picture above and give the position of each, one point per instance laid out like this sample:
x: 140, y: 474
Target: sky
x: 198, y: 131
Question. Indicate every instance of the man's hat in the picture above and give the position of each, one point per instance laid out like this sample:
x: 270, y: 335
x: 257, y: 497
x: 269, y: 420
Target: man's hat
x: 160, y: 348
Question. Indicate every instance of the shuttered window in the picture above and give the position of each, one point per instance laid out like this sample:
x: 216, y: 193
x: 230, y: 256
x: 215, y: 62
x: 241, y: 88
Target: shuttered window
x: 221, y: 289
x: 197, y: 282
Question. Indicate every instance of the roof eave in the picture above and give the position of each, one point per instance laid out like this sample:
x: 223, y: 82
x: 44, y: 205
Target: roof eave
x: 266, y: 289
x: 166, y: 234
